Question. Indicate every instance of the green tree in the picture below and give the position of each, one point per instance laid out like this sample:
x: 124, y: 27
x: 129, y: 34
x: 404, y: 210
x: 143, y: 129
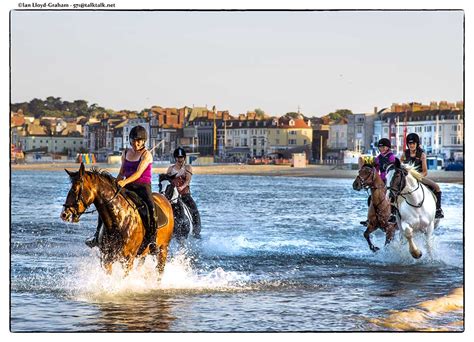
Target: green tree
x: 339, y: 114
x: 260, y: 112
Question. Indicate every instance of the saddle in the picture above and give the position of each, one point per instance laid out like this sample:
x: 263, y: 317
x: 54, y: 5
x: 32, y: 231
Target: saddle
x: 142, y: 208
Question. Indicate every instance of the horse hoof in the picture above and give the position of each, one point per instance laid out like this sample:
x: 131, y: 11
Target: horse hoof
x: 418, y: 256
x: 375, y: 249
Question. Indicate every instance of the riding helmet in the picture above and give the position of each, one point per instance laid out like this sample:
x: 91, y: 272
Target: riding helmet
x: 413, y: 138
x: 138, y: 133
x: 384, y: 142
x: 179, y: 152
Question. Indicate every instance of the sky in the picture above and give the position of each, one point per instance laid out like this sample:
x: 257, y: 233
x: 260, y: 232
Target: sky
x: 315, y: 62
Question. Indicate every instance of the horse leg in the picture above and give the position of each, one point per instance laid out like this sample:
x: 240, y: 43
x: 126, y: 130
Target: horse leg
x: 161, y: 260
x: 370, y: 228
x: 389, y: 233
x: 127, y: 265
x: 429, y: 239
x: 108, y: 268
x: 408, y: 232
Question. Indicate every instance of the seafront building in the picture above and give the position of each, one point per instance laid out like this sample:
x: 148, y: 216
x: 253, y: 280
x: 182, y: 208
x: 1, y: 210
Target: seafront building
x: 222, y: 137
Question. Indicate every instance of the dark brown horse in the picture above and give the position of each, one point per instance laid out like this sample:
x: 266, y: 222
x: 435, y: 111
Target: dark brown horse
x: 123, y: 230
x: 379, y: 207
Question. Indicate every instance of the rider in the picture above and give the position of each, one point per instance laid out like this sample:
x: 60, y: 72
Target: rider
x: 381, y: 162
x: 182, y: 174
x: 135, y: 174
x: 415, y: 155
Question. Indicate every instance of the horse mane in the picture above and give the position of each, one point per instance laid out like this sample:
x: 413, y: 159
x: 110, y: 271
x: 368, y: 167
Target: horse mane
x: 103, y: 174
x: 412, y: 170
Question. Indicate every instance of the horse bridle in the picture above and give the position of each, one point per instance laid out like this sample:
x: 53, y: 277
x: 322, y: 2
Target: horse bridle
x: 364, y: 181
x: 79, y: 197
x: 398, y: 192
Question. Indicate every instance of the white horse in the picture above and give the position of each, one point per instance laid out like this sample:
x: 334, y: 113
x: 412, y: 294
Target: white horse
x: 183, y: 223
x: 415, y: 202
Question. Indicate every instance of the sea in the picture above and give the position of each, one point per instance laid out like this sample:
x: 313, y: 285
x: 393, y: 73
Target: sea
x: 277, y: 254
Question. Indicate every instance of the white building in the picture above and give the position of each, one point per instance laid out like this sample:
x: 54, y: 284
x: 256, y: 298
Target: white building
x: 440, y: 131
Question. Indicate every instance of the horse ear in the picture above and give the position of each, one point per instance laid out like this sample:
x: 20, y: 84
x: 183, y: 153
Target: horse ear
x: 81, y: 170
x: 68, y: 172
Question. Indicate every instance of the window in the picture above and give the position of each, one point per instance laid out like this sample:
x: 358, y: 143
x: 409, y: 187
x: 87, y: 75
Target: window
x: 292, y: 141
x: 455, y: 128
x: 292, y: 132
x: 277, y: 141
x: 359, y: 129
x: 385, y: 130
x: 439, y: 140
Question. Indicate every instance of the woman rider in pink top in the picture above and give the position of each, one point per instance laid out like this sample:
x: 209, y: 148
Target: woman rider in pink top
x: 135, y: 175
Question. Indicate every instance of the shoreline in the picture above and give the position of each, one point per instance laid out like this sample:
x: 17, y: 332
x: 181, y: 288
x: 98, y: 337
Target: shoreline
x: 312, y: 171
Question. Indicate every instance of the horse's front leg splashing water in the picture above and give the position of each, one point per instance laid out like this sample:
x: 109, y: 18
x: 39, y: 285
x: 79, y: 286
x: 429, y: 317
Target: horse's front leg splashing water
x: 407, y: 231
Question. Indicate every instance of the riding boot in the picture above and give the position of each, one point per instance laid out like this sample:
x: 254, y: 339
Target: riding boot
x: 393, y: 217
x: 439, y: 212
x: 152, y: 233
x: 94, y: 241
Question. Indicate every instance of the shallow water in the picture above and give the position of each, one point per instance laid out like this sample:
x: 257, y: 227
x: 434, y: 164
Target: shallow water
x: 276, y: 254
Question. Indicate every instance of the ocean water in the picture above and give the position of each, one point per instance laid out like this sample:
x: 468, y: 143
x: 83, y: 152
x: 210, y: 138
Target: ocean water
x: 276, y: 254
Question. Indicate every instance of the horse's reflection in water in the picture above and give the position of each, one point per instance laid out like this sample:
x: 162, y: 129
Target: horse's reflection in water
x: 138, y: 313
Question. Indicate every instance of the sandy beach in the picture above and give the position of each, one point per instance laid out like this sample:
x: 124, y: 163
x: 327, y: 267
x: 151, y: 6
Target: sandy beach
x: 321, y: 171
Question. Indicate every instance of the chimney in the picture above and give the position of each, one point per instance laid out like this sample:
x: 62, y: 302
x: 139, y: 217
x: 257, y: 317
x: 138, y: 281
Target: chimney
x: 375, y: 110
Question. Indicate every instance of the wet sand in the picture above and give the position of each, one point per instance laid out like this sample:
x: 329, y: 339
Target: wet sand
x: 320, y: 171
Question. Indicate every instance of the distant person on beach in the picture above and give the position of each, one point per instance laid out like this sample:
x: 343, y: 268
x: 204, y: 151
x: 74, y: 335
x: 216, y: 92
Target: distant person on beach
x: 135, y: 175
x: 182, y: 174
x: 415, y: 156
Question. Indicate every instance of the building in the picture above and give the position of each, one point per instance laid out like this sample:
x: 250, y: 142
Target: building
x: 440, y: 131
x: 338, y: 135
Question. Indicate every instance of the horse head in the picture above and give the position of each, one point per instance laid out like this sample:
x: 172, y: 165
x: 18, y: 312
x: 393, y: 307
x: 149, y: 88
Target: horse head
x: 79, y: 197
x: 396, y: 178
x: 365, y: 178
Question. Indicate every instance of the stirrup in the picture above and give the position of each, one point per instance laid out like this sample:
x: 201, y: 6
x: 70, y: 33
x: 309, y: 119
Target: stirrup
x: 392, y: 219
x: 92, y: 242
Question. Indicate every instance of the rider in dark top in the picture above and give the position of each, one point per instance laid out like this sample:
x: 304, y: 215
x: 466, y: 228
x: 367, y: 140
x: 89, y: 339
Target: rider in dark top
x: 415, y: 156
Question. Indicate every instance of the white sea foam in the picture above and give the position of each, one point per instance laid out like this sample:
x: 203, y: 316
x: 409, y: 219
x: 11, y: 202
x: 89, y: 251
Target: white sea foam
x: 91, y: 282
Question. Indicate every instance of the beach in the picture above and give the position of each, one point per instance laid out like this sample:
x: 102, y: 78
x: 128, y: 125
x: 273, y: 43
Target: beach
x: 314, y: 171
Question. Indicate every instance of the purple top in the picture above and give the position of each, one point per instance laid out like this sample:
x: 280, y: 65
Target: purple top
x: 382, y: 161
x: 130, y: 167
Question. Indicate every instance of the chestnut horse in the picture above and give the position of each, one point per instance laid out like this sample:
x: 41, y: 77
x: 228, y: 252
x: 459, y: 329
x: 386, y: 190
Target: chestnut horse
x: 379, y: 208
x: 123, y: 230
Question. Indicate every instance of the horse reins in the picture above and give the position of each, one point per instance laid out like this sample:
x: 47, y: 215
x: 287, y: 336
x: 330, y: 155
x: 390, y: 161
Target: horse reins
x: 79, y: 197
x: 403, y: 195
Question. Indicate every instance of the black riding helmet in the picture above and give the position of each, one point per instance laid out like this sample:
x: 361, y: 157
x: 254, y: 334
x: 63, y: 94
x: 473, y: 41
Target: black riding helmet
x: 384, y: 142
x: 179, y: 152
x: 413, y: 138
x: 138, y: 133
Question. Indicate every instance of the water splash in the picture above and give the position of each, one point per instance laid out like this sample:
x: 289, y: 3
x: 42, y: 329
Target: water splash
x: 91, y: 282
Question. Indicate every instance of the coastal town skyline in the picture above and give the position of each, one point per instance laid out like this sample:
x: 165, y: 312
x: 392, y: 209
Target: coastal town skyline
x: 279, y: 62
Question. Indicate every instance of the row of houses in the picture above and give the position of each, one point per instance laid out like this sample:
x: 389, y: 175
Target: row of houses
x: 225, y: 137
